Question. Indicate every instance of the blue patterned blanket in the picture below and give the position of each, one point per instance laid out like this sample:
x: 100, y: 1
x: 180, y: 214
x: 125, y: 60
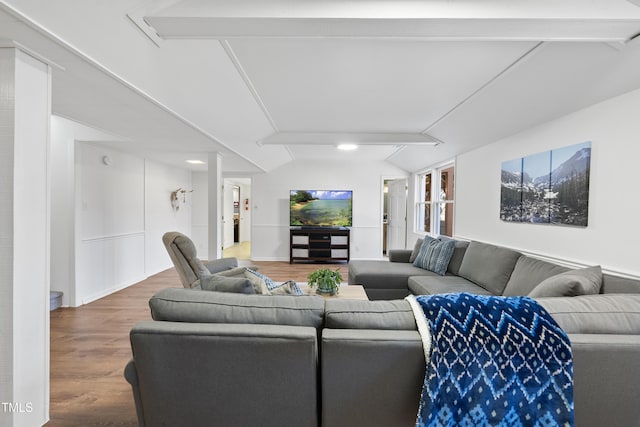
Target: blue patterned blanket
x: 492, y: 361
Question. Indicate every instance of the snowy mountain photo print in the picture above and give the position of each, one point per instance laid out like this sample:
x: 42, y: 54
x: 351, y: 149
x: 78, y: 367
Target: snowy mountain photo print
x: 549, y: 187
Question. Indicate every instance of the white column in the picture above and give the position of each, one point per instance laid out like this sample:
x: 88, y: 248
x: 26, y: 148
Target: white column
x: 215, y: 205
x: 25, y: 113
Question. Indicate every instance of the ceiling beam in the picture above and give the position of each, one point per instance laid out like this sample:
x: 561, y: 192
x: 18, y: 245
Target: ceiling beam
x: 521, y: 29
x: 335, y: 138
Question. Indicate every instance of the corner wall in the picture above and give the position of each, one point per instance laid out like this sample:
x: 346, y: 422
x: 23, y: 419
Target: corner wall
x: 110, y: 225
x: 613, y: 231
x: 64, y: 134
x: 122, y: 210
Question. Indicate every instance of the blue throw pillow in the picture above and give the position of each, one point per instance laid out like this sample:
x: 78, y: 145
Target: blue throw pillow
x: 434, y: 255
x: 421, y: 259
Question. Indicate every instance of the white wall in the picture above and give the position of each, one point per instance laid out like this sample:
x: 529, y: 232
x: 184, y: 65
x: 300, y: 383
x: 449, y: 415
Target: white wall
x: 64, y: 134
x: 270, y: 204
x: 25, y: 109
x: 62, y: 208
x: 613, y: 231
x: 110, y: 222
x: 160, y: 217
x: 199, y: 213
x: 122, y: 211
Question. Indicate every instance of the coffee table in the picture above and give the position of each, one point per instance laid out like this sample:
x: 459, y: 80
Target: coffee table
x: 346, y: 292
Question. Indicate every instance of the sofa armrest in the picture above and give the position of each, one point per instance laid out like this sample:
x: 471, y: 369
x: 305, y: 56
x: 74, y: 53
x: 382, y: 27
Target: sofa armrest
x: 236, y: 374
x: 219, y: 283
x: 221, y: 264
x: 399, y: 255
x: 130, y: 373
x: 378, y: 372
x: 606, y: 377
x: 131, y: 376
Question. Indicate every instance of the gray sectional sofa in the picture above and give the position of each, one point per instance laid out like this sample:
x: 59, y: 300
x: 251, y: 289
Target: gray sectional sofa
x: 222, y: 359
x: 475, y: 267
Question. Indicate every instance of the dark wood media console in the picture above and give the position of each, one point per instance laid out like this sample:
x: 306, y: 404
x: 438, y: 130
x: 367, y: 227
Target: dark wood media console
x: 319, y: 244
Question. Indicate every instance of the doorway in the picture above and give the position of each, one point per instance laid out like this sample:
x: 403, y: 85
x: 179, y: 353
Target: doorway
x: 394, y: 216
x: 236, y: 222
x: 236, y: 214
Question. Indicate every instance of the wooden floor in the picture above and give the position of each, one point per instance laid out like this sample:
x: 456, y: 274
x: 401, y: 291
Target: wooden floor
x: 90, y: 347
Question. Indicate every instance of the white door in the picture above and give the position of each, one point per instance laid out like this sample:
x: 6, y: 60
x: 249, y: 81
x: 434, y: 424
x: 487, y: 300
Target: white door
x: 397, y: 214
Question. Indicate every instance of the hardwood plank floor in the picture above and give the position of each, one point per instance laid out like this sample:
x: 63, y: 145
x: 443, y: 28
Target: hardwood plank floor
x: 90, y: 347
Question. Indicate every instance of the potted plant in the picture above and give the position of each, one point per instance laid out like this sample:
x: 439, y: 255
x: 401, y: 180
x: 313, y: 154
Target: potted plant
x: 327, y: 281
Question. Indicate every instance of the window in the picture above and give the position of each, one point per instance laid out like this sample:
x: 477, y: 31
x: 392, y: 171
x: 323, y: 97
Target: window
x: 435, y: 214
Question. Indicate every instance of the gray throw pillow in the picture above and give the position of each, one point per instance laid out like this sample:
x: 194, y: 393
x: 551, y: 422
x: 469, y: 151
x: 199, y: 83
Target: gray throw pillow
x: 240, y: 285
x: 416, y: 250
x: 259, y: 285
x: 585, y: 281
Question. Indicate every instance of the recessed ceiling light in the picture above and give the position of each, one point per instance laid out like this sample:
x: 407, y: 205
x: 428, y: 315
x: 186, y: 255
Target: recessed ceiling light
x: 347, y: 147
x: 196, y: 162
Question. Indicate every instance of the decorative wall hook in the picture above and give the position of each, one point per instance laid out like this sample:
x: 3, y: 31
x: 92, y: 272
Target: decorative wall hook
x: 179, y: 196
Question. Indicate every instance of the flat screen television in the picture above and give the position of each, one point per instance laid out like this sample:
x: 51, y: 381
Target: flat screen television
x: 320, y: 208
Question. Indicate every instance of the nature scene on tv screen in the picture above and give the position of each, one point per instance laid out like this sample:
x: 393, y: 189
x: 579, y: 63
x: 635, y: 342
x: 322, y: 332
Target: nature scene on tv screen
x: 320, y: 208
x: 549, y: 187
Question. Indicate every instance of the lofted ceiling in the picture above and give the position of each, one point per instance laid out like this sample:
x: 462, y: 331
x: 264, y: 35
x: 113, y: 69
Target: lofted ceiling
x: 266, y: 82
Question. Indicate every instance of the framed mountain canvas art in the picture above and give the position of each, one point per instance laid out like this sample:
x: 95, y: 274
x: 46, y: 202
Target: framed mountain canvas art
x: 550, y: 187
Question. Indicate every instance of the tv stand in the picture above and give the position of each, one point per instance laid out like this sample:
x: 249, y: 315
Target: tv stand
x: 319, y: 244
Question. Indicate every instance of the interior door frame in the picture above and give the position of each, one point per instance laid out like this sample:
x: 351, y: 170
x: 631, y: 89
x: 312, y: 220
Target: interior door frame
x: 383, y: 179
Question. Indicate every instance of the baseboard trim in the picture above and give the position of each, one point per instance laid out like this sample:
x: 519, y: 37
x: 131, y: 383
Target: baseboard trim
x: 96, y: 296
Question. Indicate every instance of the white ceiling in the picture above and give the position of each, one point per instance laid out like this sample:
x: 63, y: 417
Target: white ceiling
x: 265, y: 82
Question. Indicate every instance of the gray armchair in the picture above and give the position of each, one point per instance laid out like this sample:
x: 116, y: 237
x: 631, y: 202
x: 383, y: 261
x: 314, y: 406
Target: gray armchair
x: 190, y: 268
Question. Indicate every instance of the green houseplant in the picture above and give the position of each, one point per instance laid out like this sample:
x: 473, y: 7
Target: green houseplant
x: 326, y: 280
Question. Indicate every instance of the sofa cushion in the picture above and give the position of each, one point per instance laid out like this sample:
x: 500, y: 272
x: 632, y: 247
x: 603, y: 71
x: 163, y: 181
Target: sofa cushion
x: 619, y: 285
x: 399, y: 255
x: 488, y: 266
x: 585, y: 281
x: 375, y: 274
x: 188, y: 305
x: 262, y: 284
x: 214, y: 282
x: 458, y: 255
x: 221, y: 264
x: 430, y: 285
x: 259, y: 284
x: 528, y: 273
x: 357, y: 314
x: 596, y: 314
x: 434, y: 255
